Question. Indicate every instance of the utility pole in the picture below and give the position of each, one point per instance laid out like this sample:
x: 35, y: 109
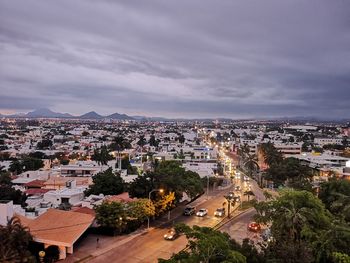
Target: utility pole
x: 208, y: 187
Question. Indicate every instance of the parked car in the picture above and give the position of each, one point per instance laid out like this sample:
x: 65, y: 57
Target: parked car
x: 202, y: 212
x: 189, y: 210
x: 254, y: 227
x: 220, y: 212
x: 172, y: 234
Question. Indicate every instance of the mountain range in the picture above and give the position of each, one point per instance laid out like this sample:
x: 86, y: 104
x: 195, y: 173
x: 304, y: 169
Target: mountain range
x: 47, y: 113
x: 92, y: 115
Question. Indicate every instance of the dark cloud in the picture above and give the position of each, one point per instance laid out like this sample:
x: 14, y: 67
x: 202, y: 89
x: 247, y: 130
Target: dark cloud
x: 177, y: 58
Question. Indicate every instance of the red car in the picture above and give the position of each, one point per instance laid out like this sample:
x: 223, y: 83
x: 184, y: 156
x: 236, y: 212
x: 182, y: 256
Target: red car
x: 253, y: 226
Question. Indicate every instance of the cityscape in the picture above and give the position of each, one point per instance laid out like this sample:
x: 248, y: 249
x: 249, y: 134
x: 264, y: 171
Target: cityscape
x: 174, y: 132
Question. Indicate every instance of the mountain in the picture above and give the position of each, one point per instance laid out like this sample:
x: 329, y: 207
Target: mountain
x: 90, y: 115
x: 117, y: 116
x: 46, y: 113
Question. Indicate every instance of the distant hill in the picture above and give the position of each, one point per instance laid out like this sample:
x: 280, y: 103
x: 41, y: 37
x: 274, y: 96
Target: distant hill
x: 45, y: 113
x: 91, y: 115
x: 118, y: 116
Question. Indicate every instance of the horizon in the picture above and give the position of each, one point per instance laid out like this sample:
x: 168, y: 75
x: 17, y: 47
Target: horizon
x: 189, y: 59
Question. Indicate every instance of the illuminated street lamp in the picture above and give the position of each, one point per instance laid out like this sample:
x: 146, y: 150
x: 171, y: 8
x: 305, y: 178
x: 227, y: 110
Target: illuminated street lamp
x: 149, y: 200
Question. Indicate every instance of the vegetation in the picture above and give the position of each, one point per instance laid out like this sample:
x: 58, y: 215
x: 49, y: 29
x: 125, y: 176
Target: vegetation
x: 102, y: 156
x: 290, y: 172
x: 106, y: 183
x: 171, y: 177
x: 302, y: 227
x: 209, y: 245
x: 14, y: 242
x: 117, y: 217
x: 26, y: 164
x: 335, y: 195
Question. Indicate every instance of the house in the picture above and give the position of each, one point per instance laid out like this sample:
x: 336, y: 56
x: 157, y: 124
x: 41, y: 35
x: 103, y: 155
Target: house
x: 59, y: 228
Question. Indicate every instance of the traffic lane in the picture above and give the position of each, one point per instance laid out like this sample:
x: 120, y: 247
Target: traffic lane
x: 238, y: 227
x: 146, y: 248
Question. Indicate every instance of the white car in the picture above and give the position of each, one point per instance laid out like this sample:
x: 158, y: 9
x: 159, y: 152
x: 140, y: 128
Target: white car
x: 202, y: 212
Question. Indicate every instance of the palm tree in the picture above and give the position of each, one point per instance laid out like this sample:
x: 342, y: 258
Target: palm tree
x: 14, y: 242
x: 141, y: 143
x: 270, y: 153
x: 248, y: 194
x: 243, y: 151
x: 251, y: 163
x: 120, y: 144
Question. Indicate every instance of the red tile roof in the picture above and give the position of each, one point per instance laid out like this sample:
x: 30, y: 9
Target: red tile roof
x: 124, y: 197
x: 35, y: 183
x: 59, y: 227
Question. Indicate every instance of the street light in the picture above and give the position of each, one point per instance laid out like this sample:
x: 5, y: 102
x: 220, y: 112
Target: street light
x: 149, y: 200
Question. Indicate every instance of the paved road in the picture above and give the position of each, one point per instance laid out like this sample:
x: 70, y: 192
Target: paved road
x: 151, y: 246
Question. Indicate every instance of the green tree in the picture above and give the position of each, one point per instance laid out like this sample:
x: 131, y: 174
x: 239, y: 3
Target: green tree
x: 298, y: 219
x: 112, y: 216
x: 102, y: 156
x: 140, y: 210
x: 7, y: 192
x: 206, y: 245
x: 44, y: 144
x: 14, y: 242
x: 106, y: 183
x: 335, y: 194
x: 291, y: 172
x: 270, y: 153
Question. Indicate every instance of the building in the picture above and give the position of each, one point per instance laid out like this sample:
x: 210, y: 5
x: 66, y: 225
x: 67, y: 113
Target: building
x: 58, y: 228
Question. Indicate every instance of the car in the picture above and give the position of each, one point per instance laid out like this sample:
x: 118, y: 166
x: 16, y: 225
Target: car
x: 231, y: 194
x: 220, y: 212
x: 172, y: 234
x: 246, y: 178
x: 237, y: 188
x: 254, y: 227
x: 189, y: 210
x: 237, y: 198
x: 202, y: 212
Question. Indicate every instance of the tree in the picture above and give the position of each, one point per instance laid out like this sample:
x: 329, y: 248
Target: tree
x: 298, y: 219
x: 102, y: 156
x: 5, y: 178
x: 335, y: 194
x: 14, y: 242
x: 181, y: 139
x: 291, y: 172
x: 251, y: 163
x: 141, y: 142
x: 44, y: 144
x: 206, y: 245
x: 140, y: 210
x: 248, y: 194
x: 153, y: 142
x: 119, y: 144
x: 7, y: 192
x: 106, y: 183
x: 112, y: 216
x: 270, y: 153
x: 27, y: 164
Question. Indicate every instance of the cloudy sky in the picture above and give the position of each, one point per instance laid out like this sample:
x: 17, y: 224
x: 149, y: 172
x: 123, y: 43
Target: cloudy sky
x: 238, y: 59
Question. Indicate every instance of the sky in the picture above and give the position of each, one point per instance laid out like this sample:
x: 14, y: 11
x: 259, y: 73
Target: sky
x: 184, y: 58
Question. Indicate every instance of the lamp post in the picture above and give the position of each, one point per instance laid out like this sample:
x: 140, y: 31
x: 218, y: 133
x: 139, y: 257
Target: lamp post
x: 149, y: 200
